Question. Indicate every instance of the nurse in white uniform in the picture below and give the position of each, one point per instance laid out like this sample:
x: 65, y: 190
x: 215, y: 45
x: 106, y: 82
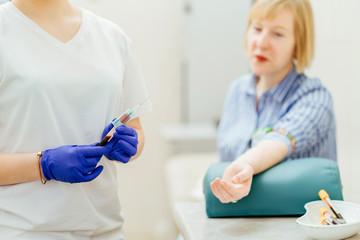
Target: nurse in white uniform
x: 65, y: 73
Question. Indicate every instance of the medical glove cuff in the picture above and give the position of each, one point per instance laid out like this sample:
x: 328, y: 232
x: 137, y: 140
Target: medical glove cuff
x: 45, y: 166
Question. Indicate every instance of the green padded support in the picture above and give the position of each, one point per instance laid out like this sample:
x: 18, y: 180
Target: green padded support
x: 279, y: 191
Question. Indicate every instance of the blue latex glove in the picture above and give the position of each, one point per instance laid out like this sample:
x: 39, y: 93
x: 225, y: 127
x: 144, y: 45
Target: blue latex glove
x: 73, y: 164
x: 123, y: 144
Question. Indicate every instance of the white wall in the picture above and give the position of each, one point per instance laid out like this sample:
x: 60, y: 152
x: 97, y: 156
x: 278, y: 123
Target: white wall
x: 337, y: 62
x: 155, y: 30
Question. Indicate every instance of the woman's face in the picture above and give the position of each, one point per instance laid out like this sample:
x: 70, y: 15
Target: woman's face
x: 271, y: 44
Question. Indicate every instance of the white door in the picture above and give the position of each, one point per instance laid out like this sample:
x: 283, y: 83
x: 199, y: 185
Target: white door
x: 213, y: 54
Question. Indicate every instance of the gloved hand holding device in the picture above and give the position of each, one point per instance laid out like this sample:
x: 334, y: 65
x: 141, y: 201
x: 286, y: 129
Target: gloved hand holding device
x: 123, y: 144
x: 72, y: 163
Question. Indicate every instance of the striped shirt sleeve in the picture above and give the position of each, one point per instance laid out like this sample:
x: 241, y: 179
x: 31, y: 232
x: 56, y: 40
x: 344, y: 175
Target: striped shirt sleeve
x: 308, y: 120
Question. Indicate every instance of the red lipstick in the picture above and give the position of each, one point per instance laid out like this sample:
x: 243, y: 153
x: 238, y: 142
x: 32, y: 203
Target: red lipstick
x: 260, y: 58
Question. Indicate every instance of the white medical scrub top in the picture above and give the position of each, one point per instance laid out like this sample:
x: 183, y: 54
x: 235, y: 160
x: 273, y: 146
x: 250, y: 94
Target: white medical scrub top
x: 53, y: 94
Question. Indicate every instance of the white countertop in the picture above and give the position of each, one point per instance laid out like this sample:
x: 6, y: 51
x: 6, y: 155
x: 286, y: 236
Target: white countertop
x: 194, y: 224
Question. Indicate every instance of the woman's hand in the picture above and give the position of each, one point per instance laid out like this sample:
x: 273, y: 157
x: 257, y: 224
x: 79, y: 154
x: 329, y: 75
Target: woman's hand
x: 123, y: 144
x: 236, y: 182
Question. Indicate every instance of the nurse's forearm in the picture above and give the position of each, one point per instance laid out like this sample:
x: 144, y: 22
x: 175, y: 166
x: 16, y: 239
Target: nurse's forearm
x: 141, y: 139
x: 264, y: 155
x: 18, y: 168
x: 136, y: 124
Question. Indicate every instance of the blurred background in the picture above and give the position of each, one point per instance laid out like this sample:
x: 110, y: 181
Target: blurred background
x: 190, y: 50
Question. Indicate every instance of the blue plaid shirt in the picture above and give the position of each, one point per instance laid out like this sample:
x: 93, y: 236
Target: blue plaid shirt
x: 299, y: 105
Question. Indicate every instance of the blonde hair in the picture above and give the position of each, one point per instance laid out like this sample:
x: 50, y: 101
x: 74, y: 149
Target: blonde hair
x: 303, y: 21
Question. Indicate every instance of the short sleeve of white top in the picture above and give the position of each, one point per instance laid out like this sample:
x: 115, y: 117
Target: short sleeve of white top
x: 53, y: 94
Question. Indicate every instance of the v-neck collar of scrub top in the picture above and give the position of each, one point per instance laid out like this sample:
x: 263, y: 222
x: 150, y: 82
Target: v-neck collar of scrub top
x: 70, y: 44
x: 279, y: 91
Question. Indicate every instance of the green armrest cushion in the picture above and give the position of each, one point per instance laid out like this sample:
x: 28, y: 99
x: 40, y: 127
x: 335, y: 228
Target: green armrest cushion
x: 279, y: 191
